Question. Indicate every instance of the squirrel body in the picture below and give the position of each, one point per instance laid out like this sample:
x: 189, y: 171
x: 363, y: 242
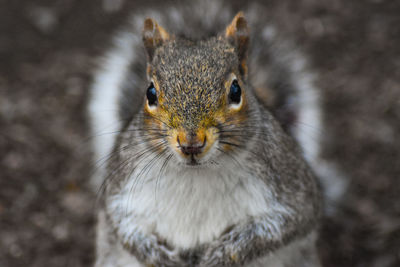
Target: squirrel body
x: 198, y: 170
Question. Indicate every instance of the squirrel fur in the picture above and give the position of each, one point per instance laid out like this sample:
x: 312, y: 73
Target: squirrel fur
x: 189, y: 175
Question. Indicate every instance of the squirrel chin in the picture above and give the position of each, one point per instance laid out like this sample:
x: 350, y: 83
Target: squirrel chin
x: 193, y: 161
x: 197, y: 164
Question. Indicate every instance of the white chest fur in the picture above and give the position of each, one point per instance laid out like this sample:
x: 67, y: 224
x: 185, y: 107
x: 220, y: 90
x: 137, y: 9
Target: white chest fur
x: 189, y: 207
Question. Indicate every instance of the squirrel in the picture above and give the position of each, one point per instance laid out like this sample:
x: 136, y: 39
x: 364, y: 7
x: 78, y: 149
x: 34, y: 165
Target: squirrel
x: 202, y: 162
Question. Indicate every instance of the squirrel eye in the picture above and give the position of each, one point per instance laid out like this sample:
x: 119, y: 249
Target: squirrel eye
x: 151, y: 95
x: 235, y: 93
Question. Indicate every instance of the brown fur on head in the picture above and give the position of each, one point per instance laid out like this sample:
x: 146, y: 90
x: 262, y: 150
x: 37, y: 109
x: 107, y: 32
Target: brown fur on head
x: 193, y: 80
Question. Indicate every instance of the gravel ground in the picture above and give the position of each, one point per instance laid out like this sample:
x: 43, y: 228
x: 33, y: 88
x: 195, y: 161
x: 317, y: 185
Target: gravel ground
x: 47, y: 49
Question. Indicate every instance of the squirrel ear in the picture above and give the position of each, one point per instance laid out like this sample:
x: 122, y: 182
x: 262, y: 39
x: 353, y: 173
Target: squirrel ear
x: 238, y: 34
x: 153, y: 36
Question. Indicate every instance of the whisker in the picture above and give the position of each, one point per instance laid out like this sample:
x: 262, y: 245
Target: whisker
x: 144, y: 171
x: 230, y: 143
x: 111, y: 176
x: 103, y: 160
x: 161, y: 171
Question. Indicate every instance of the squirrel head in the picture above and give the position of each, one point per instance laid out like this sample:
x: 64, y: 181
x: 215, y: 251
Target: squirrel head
x: 197, y: 89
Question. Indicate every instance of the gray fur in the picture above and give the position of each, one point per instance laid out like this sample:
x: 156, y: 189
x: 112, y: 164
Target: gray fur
x: 265, y: 149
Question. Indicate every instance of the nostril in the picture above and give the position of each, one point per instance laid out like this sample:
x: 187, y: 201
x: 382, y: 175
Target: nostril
x: 192, y: 148
x: 188, y: 150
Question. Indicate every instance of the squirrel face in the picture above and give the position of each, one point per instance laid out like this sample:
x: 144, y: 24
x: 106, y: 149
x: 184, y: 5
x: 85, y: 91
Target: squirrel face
x: 197, y: 90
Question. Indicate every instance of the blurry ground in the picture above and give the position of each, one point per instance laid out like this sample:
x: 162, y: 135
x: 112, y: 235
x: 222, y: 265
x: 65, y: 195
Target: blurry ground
x: 46, y: 52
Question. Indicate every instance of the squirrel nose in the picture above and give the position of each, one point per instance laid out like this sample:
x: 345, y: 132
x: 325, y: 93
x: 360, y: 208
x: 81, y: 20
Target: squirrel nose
x: 193, y: 147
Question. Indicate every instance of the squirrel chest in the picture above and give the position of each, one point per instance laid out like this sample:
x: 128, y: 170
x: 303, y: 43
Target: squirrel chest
x: 191, y: 207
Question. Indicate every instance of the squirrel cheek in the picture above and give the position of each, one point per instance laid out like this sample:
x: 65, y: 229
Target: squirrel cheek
x: 211, y: 135
x: 173, y: 141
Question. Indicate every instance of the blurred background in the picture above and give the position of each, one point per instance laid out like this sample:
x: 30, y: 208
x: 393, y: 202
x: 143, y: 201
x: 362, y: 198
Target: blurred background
x: 47, y: 50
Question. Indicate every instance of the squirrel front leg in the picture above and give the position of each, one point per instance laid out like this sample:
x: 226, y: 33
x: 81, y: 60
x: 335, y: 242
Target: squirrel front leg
x: 254, y: 239
x: 149, y: 249
x: 153, y: 252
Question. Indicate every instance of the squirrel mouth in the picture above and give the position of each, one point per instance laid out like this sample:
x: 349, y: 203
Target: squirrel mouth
x: 193, y: 161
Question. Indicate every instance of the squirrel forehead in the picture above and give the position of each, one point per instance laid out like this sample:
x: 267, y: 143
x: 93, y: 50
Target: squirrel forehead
x: 191, y: 64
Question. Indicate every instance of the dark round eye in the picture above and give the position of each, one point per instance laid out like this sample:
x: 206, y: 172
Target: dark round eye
x: 235, y: 93
x: 151, y: 94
